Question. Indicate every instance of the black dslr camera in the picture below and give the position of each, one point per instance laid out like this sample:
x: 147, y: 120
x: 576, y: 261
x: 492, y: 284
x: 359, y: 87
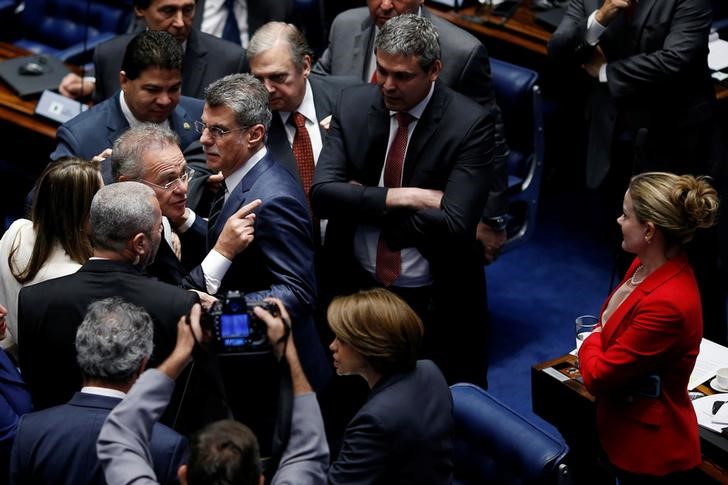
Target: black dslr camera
x: 234, y: 328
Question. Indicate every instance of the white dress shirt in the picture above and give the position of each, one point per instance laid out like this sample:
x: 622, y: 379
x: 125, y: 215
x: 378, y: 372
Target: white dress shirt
x: 215, y: 15
x: 308, y: 110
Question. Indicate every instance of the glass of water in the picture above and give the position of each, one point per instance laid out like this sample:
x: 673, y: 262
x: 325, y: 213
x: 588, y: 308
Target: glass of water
x: 584, y: 326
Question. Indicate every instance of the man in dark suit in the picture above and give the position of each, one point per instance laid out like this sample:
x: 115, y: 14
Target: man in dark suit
x: 212, y: 16
x: 280, y: 58
x: 466, y: 69
x: 409, y: 224
x: 651, y: 85
x: 58, y: 445
x: 206, y: 58
x: 150, y: 93
x: 126, y: 226
x: 279, y: 262
x: 149, y: 153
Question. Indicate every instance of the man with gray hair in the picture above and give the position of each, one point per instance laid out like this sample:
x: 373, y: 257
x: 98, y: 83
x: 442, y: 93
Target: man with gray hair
x: 280, y: 58
x: 403, y: 178
x: 149, y: 153
x: 58, y: 445
x: 279, y: 262
x: 126, y: 225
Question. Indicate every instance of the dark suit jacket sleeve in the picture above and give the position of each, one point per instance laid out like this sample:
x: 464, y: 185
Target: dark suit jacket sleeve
x: 103, y: 88
x: 68, y: 144
x: 568, y: 44
x: 684, y: 44
x: 283, y: 231
x: 19, y: 458
x: 323, y: 65
x: 363, y: 453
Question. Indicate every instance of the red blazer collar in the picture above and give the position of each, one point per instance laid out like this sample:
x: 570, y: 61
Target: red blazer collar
x: 665, y: 272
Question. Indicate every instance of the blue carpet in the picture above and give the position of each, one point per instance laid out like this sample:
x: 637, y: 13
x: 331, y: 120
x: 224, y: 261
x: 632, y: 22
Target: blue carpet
x: 537, y: 290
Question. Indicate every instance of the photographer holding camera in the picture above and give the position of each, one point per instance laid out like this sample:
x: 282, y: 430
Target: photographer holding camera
x: 225, y: 451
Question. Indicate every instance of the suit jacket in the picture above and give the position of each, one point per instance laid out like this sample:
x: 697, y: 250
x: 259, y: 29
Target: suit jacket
x: 656, y: 330
x: 259, y: 13
x: 58, y: 445
x: 397, y: 436
x: 206, y: 59
x: 95, y: 130
x: 49, y: 314
x: 657, y: 73
x: 451, y: 149
x: 14, y: 402
x: 124, y: 439
x: 326, y: 90
x: 279, y: 262
x: 465, y: 66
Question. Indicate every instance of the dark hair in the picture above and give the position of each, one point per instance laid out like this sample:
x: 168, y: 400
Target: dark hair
x: 151, y: 48
x: 223, y: 453
x: 60, y: 211
x: 144, y: 4
x: 379, y: 325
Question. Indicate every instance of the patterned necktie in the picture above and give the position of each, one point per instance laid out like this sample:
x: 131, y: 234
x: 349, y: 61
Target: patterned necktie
x: 389, y: 262
x: 303, y: 151
x: 231, y: 31
x: 216, y: 208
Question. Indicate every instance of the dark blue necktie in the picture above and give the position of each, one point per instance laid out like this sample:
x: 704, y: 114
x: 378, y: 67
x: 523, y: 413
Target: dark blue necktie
x: 230, y: 31
x: 217, y: 204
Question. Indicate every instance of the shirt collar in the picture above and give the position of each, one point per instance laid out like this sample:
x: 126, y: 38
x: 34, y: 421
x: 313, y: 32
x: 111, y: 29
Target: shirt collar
x: 419, y: 108
x: 307, y: 107
x: 234, y: 178
x: 130, y: 118
x: 103, y: 391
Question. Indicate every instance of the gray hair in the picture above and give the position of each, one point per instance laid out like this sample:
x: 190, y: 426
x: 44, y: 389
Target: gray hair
x: 130, y: 147
x: 119, y: 211
x: 113, y: 340
x: 410, y: 35
x: 244, y: 95
x: 273, y: 33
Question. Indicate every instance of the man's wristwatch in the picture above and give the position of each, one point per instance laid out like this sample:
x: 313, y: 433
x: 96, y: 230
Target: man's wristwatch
x: 496, y: 223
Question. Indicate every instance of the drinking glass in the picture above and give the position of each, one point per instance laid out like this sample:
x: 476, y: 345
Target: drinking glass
x: 584, y: 326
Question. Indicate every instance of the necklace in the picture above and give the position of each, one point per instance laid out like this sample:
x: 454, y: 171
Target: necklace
x: 635, y: 280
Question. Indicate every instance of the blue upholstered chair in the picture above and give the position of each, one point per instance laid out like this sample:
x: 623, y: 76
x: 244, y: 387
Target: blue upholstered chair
x: 58, y: 27
x: 494, y: 444
x: 519, y: 99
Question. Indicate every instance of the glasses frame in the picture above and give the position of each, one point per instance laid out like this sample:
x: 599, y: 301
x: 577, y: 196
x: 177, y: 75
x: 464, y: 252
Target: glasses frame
x: 216, y: 132
x: 182, y: 179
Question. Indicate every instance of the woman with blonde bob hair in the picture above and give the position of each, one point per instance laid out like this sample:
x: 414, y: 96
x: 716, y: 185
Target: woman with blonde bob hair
x: 402, y: 434
x: 55, y: 243
x: 638, y: 360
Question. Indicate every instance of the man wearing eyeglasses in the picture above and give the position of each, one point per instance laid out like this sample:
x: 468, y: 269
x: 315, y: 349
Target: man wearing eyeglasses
x: 150, y: 154
x: 279, y: 261
x: 151, y: 77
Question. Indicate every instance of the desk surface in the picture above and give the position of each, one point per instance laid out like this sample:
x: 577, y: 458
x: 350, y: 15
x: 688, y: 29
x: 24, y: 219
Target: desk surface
x: 558, y: 397
x: 19, y: 111
x: 520, y: 30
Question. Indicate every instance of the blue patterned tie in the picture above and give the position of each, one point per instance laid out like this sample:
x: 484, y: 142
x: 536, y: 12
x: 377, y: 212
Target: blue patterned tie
x: 230, y: 31
x: 217, y: 204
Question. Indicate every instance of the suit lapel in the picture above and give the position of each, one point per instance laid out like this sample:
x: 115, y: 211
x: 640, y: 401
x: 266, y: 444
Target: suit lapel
x: 378, y: 124
x: 181, y: 124
x: 195, y: 63
x: 362, y: 48
x: 657, y: 278
x: 642, y: 12
x: 116, y: 123
x: 321, y: 103
x: 279, y: 146
x: 426, y: 127
x: 238, y: 195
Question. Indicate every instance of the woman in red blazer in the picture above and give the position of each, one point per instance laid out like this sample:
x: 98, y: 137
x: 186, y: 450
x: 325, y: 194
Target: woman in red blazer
x: 638, y: 360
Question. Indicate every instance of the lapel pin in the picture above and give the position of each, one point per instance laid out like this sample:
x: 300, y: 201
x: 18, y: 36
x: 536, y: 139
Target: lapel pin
x: 186, y: 125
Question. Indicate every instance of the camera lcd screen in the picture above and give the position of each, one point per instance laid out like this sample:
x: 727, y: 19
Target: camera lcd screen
x: 234, y: 326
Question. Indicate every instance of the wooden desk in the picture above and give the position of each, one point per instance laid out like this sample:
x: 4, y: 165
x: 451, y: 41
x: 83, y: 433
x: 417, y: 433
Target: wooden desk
x: 520, y: 30
x: 559, y: 398
x: 19, y: 111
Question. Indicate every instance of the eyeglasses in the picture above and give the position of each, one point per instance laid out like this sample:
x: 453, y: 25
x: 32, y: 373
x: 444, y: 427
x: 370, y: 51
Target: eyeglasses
x: 215, y: 131
x: 182, y: 179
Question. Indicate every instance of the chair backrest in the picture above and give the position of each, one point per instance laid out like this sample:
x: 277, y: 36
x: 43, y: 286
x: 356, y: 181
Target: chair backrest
x: 63, y: 24
x: 519, y: 98
x: 495, y: 444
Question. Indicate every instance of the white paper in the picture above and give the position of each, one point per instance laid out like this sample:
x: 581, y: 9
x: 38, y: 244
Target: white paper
x: 704, y: 411
x: 711, y: 358
x: 718, y: 55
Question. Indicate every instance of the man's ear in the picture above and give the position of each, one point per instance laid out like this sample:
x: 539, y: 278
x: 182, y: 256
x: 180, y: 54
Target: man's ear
x: 139, y: 243
x: 182, y: 474
x: 435, y: 69
x: 123, y: 80
x: 256, y: 134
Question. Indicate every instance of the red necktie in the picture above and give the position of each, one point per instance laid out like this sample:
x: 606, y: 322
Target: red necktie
x: 303, y: 151
x: 389, y: 262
